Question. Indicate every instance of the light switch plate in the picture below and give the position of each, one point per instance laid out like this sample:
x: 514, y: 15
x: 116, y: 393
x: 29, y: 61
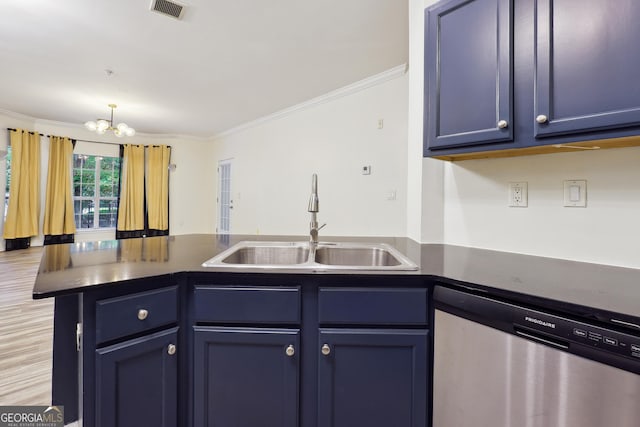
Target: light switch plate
x: 575, y: 193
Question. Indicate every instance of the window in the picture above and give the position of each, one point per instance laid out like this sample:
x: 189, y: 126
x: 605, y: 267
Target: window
x: 6, y: 191
x: 95, y: 191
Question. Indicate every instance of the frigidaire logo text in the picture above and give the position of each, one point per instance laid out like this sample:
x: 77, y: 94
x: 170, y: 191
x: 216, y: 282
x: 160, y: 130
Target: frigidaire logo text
x: 540, y: 322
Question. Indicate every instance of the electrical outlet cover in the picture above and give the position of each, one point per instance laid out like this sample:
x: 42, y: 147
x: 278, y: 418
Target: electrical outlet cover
x: 518, y: 195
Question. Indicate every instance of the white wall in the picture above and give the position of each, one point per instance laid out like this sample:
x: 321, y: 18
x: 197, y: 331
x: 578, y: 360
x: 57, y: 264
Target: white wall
x: 465, y: 203
x: 191, y: 202
x: 425, y: 207
x: 190, y: 211
x: 273, y: 162
x: 606, y: 231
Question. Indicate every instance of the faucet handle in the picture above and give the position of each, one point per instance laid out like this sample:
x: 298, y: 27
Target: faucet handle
x: 321, y: 227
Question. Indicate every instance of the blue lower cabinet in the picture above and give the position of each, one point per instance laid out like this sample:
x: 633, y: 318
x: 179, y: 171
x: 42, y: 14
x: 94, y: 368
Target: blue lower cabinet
x: 372, y: 378
x: 136, y: 382
x: 246, y: 377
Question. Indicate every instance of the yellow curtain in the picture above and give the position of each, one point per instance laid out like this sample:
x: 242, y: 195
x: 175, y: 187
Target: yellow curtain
x: 131, y: 208
x: 158, y: 187
x: 58, y: 210
x: 24, y: 190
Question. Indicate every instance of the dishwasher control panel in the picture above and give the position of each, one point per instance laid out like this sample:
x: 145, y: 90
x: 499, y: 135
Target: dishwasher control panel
x: 623, y: 344
x: 552, y: 326
x: 572, y: 335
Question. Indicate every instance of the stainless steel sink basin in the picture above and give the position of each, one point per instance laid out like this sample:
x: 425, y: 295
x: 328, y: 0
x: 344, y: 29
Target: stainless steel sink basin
x: 263, y: 254
x: 321, y: 256
x: 356, y: 256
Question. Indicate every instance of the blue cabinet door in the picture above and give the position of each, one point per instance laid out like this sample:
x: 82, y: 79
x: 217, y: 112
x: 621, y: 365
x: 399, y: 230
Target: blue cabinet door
x: 245, y: 377
x: 136, y: 382
x: 468, y: 73
x: 587, y: 66
x: 372, y: 378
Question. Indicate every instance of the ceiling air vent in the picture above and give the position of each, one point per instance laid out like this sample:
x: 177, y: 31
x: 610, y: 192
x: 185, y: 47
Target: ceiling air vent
x: 168, y: 8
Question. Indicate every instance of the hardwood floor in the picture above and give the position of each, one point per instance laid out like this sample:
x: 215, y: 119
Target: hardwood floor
x: 26, y: 332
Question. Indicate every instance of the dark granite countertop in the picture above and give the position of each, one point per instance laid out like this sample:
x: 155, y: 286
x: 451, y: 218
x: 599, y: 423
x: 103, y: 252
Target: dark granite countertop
x: 598, y: 291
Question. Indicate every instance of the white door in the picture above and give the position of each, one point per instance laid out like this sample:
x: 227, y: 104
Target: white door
x: 225, y: 203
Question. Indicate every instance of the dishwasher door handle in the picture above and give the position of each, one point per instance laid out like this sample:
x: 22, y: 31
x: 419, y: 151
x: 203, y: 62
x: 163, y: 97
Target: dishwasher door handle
x: 541, y: 339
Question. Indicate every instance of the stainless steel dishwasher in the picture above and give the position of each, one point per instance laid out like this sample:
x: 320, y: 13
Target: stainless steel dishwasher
x: 497, y: 364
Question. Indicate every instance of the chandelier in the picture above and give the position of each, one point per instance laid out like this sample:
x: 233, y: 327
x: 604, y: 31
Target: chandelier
x: 100, y: 126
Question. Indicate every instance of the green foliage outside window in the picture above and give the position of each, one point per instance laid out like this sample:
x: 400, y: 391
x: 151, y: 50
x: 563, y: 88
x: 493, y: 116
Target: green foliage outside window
x: 95, y: 184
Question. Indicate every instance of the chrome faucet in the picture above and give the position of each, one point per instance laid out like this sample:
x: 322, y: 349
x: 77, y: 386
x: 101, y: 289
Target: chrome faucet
x: 314, y: 208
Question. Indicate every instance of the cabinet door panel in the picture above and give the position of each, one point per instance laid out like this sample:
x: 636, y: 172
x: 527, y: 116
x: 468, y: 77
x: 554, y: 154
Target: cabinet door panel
x: 587, y: 65
x: 468, y: 54
x: 244, y: 377
x: 373, y: 378
x: 136, y: 382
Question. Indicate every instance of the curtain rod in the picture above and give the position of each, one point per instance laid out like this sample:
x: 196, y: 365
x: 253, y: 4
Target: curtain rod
x: 85, y: 140
x: 110, y: 143
x: 32, y: 133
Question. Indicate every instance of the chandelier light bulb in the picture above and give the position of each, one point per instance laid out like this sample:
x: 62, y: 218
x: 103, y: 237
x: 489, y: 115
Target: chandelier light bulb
x: 101, y: 126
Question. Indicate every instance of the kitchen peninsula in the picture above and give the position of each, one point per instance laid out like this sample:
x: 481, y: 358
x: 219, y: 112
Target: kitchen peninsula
x: 164, y: 341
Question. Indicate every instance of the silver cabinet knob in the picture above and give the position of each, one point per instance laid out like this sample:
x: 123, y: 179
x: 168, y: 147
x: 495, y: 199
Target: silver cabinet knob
x: 171, y: 350
x: 541, y: 119
x: 326, y: 350
x: 290, y: 351
x: 142, y: 314
x: 502, y: 124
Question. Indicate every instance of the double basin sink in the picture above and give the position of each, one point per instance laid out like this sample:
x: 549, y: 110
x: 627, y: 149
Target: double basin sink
x: 318, y: 256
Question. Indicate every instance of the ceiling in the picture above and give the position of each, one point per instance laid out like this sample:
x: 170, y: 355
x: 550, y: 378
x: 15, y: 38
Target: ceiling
x: 225, y: 63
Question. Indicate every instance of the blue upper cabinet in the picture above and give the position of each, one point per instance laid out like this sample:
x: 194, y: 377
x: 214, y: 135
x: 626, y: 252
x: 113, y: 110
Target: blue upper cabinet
x: 587, y: 75
x: 506, y: 77
x: 468, y: 73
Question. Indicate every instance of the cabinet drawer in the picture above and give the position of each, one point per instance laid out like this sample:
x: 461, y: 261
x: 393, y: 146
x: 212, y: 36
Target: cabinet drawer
x: 229, y: 304
x: 131, y: 314
x: 372, y: 306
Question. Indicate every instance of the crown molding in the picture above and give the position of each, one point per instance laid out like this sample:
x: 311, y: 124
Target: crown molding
x: 17, y: 116
x: 45, y: 122
x: 363, y: 84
